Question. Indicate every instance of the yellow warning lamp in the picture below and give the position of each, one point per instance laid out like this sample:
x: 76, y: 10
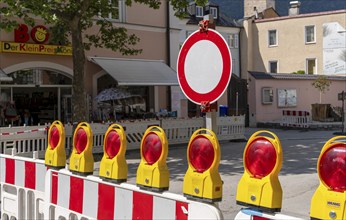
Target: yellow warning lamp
x: 202, y: 180
x: 55, y: 156
x: 152, y: 172
x: 113, y: 166
x: 259, y: 186
x: 82, y: 160
x: 329, y: 200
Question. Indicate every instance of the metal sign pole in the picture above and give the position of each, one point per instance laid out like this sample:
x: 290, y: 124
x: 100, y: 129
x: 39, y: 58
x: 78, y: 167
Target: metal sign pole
x: 210, y: 121
x: 210, y: 116
x: 342, y: 97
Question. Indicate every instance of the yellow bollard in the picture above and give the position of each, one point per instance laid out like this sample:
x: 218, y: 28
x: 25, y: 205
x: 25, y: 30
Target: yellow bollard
x: 55, y: 156
x: 113, y: 166
x: 152, y: 172
x: 82, y: 160
x: 260, y: 186
x: 202, y: 180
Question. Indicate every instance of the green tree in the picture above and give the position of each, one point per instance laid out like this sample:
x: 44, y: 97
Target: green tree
x: 299, y: 72
x: 322, y: 84
x: 69, y: 20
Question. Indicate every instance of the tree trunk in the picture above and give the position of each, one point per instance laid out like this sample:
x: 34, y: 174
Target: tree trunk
x: 320, y: 97
x: 78, y: 93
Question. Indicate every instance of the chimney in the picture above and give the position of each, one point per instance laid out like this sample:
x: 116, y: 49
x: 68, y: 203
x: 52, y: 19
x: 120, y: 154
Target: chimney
x: 294, y: 8
x: 256, y: 12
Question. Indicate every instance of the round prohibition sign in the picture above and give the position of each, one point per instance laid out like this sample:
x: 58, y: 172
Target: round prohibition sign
x: 204, y: 66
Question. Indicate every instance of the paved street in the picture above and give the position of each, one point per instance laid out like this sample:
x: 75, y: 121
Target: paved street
x: 298, y: 175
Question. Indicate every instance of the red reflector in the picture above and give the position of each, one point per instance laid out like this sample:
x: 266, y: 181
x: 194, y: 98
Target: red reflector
x: 54, y: 137
x: 254, y: 217
x: 81, y: 140
x: 332, y: 167
x: 152, y: 148
x: 260, y: 157
x: 112, y: 144
x: 201, y: 154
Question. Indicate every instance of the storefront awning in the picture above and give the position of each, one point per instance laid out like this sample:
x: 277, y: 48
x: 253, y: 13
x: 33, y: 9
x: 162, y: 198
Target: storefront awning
x: 137, y: 72
x: 4, y: 77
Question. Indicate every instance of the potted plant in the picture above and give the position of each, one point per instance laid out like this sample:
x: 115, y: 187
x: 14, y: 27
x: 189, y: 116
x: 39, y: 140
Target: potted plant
x: 320, y: 111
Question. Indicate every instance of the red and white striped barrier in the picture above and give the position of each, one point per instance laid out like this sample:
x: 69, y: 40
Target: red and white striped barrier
x: 23, y: 132
x: 22, y: 172
x: 31, y: 191
x: 296, y: 119
x: 22, y: 187
x: 90, y: 197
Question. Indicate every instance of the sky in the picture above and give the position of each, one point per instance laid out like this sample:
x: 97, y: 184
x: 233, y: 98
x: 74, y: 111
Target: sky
x: 235, y: 8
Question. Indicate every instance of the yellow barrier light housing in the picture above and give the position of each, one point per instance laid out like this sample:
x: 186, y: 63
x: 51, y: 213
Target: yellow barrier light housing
x: 202, y: 180
x: 82, y: 160
x: 55, y: 156
x: 329, y: 199
x: 259, y: 186
x: 113, y: 166
x: 152, y: 172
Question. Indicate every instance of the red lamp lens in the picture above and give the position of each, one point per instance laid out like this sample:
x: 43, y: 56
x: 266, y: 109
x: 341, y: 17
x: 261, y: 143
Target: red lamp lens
x: 260, y: 157
x: 152, y: 148
x: 112, y: 144
x: 332, y: 168
x: 54, y: 137
x: 80, y: 141
x: 201, y: 154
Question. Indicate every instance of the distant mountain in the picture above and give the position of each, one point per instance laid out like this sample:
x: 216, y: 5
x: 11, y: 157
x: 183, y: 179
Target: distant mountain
x: 235, y: 8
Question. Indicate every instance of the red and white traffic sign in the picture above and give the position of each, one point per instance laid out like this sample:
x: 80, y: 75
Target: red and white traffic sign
x: 204, y: 66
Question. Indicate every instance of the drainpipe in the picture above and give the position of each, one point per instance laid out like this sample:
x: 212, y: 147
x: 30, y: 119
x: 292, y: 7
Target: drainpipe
x: 168, y: 37
x: 168, y: 49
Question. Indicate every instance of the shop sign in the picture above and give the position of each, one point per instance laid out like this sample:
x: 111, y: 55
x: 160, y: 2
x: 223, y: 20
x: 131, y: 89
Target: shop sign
x: 40, y: 35
x: 12, y: 47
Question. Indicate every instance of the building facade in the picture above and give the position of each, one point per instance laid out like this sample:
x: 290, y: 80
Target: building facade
x: 308, y: 44
x: 42, y: 73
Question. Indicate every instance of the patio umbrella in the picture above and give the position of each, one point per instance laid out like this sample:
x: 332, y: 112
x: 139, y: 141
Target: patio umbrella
x: 112, y: 94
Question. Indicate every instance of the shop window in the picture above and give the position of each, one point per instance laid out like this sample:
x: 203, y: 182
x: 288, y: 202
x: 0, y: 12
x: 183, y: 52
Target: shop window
x: 39, y: 77
x: 55, y: 78
x: 272, y: 38
x: 23, y: 77
x: 267, y: 95
x: 310, y: 34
